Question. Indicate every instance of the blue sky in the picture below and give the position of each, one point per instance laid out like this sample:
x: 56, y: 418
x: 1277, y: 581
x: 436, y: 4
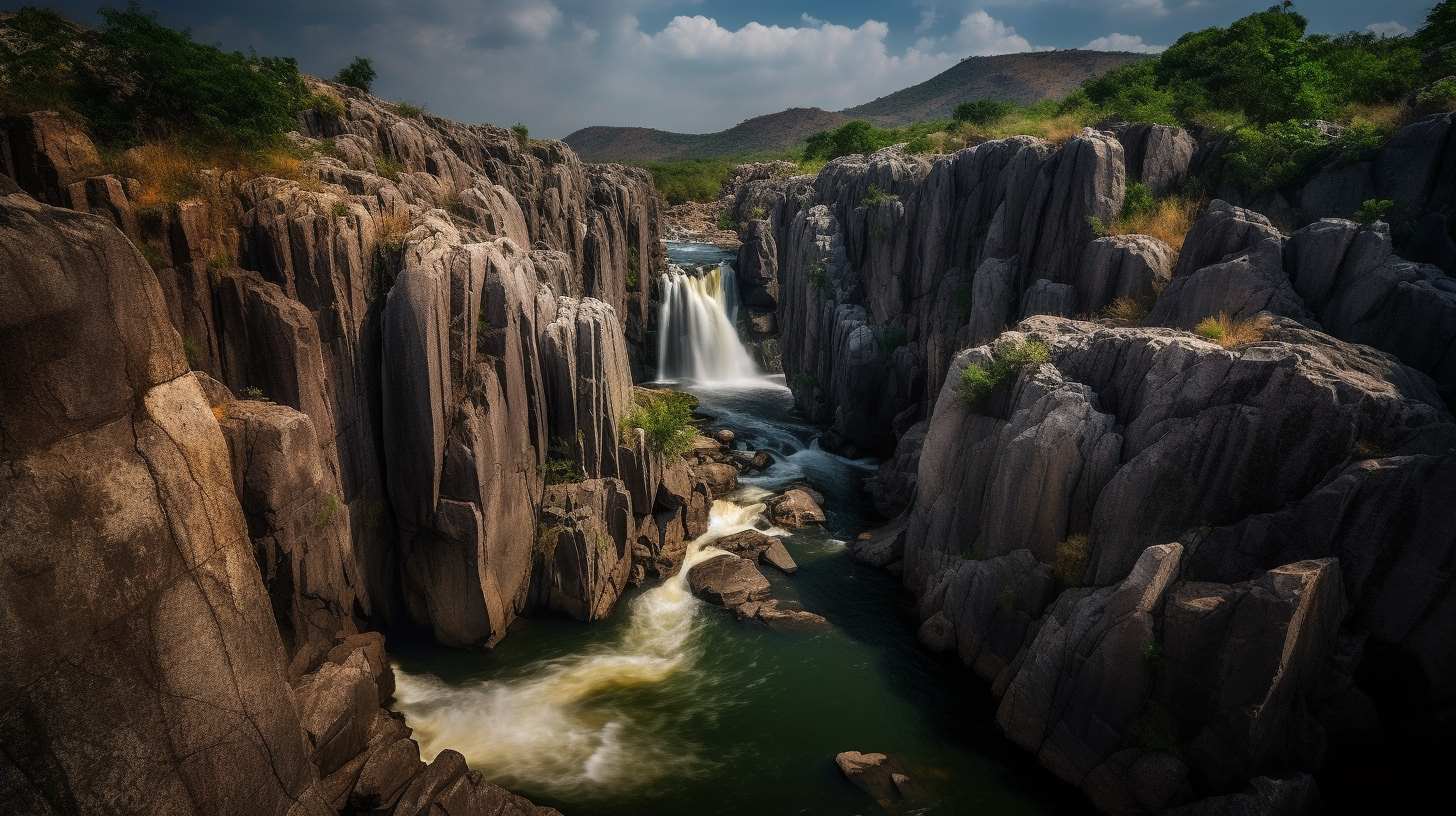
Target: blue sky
x: 693, y: 65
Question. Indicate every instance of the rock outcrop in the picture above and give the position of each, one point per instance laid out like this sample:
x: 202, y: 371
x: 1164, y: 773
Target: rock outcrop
x: 1161, y: 617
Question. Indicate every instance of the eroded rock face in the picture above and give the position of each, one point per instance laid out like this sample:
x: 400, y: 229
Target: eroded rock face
x: 136, y: 630
x: 1158, y: 156
x: 883, y: 289
x: 1156, y: 628
x: 45, y: 152
x: 584, y: 548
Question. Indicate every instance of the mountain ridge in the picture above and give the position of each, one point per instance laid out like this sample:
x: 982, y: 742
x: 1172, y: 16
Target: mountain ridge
x: 1022, y: 78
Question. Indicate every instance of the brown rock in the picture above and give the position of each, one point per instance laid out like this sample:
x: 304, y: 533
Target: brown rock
x: 728, y: 581
x: 795, y: 508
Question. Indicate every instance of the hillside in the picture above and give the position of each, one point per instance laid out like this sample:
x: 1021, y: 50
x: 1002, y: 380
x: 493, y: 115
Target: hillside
x: 761, y: 134
x: 1011, y: 77
x: 1022, y: 78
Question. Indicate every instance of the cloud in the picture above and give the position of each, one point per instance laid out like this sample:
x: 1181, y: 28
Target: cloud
x: 1388, y: 29
x: 1124, y: 42
x: 978, y: 35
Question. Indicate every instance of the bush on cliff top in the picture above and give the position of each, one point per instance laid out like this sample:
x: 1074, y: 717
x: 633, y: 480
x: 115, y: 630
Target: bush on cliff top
x: 666, y: 420
x: 979, y: 381
x: 357, y: 74
x: 136, y: 80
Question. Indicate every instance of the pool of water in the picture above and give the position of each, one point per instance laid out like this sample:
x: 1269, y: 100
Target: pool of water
x: 673, y: 707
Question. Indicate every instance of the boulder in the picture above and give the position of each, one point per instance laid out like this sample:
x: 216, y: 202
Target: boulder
x: 722, y: 478
x: 795, y: 508
x: 337, y: 705
x: 881, y: 776
x: 588, y: 383
x: 1045, y: 297
x: 728, y: 581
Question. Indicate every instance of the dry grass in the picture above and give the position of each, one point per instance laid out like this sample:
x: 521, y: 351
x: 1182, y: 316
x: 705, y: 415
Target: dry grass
x: 1230, y: 333
x: 1071, y: 563
x: 1127, y: 310
x: 1387, y: 116
x: 1169, y: 221
x: 170, y: 171
x: 391, y: 229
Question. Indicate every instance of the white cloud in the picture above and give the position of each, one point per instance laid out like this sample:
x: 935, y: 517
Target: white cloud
x: 1388, y: 29
x: 1124, y: 42
x: 978, y: 35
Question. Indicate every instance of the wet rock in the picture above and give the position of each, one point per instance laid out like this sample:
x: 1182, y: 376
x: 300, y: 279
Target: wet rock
x: 795, y: 508
x: 781, y: 618
x: 882, y: 547
x: 762, y: 460
x: 337, y: 705
x: 728, y: 581
x: 724, y: 436
x: 879, y: 775
x: 777, y: 556
x: 722, y: 478
x: 749, y: 544
x: 937, y: 633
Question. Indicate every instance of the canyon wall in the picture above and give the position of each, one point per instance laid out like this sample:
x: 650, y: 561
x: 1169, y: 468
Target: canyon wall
x: 243, y: 428
x: 1191, y: 573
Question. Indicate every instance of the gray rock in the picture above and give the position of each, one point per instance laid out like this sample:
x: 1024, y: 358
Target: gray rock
x: 1157, y: 155
x: 1047, y: 298
x: 1122, y: 266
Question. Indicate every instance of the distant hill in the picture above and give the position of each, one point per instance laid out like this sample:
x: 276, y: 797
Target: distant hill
x: 1010, y: 77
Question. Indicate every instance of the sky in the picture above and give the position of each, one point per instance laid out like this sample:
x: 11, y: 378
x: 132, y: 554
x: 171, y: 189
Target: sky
x: 693, y: 66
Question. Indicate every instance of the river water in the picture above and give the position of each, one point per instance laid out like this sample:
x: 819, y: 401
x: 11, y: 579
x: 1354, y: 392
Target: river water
x: 671, y: 706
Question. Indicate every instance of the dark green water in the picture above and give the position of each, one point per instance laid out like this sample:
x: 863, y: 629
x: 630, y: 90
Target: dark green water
x: 673, y: 707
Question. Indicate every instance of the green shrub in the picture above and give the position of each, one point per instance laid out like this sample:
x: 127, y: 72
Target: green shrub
x: 145, y: 80
x: 408, y: 110
x: 328, y: 508
x: 388, y: 168
x: 1138, y: 200
x: 982, y: 111
x: 1438, y: 96
x: 38, y: 69
x: 357, y: 74
x: 1273, y: 156
x: 254, y: 393
x: 874, y: 197
x: 726, y: 222
x: 561, y: 466
x: 341, y: 210
x: 1374, y: 209
x: 523, y: 135
x: 327, y: 105
x: 979, y: 381
x: 665, y: 418
x: 1359, y: 142
x: 634, y: 275
x: 862, y: 137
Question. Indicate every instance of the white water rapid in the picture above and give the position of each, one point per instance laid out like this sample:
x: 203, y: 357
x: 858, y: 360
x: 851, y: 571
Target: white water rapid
x: 550, y: 728
x: 696, y: 336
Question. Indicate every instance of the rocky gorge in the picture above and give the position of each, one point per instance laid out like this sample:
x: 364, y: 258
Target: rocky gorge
x: 1192, y: 573
x: 400, y: 389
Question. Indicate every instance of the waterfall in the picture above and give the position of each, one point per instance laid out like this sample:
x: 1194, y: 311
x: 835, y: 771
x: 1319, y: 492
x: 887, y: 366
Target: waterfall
x: 696, y: 336
x: 556, y: 727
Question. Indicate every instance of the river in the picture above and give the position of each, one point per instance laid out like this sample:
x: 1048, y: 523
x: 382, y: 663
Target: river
x: 671, y: 706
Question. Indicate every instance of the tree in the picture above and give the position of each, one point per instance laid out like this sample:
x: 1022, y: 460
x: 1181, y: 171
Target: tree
x: 357, y: 74
x: 982, y: 111
x: 1438, y: 39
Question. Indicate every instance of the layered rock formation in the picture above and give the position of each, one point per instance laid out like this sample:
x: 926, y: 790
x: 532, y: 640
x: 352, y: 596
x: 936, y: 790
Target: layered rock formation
x: 384, y: 359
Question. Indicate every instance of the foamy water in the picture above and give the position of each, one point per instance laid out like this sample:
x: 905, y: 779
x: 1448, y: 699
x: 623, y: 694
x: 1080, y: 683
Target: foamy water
x: 544, y: 726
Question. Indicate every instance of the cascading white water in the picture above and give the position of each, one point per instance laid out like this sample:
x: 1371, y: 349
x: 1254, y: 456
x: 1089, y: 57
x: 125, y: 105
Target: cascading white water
x: 696, y: 337
x: 543, y: 729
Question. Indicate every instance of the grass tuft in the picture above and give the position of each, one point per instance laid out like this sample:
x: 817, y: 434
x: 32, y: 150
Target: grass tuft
x: 1230, y: 333
x: 979, y: 381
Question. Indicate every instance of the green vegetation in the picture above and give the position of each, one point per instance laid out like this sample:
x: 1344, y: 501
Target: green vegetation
x: 726, y: 222
x: 979, y: 381
x: 634, y: 263
x: 388, y: 168
x: 328, y: 508
x: 983, y: 111
x: 523, y: 135
x: 863, y: 137
x: 155, y: 259
x: 327, y: 105
x: 819, y: 276
x: 408, y: 110
x: 874, y: 197
x: 254, y: 393
x: 341, y: 210
x: 1137, y: 201
x: 1438, y: 96
x: 134, y: 78
x: 666, y: 419
x: 561, y: 466
x: 1374, y: 209
x: 692, y: 179
x: 357, y: 74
